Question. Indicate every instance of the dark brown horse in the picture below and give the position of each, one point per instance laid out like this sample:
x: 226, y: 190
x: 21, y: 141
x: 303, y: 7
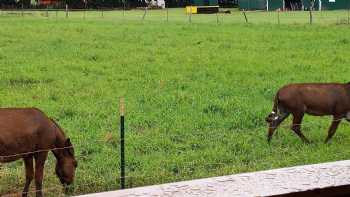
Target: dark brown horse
x: 318, y: 99
x: 28, y: 134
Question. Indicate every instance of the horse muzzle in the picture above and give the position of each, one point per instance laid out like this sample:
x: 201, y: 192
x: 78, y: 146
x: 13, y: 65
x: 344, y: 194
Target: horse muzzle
x: 68, y: 189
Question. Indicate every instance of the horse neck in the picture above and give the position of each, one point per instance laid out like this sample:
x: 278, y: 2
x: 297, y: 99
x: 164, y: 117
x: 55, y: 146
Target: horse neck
x: 59, y: 143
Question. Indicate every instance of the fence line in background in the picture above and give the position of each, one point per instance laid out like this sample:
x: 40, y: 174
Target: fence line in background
x: 262, y: 17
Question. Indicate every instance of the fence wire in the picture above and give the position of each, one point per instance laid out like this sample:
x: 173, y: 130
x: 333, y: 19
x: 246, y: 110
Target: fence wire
x: 131, y: 180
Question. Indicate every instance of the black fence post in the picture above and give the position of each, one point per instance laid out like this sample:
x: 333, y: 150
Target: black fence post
x: 85, y: 6
x: 190, y: 16
x: 217, y: 18
x: 22, y: 7
x: 167, y: 11
x: 245, y: 16
x: 144, y: 13
x: 122, y: 143
x: 349, y: 13
x: 123, y: 8
x: 310, y: 11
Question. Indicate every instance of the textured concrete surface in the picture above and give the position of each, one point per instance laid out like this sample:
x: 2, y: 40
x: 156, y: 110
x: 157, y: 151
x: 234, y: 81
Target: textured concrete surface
x: 263, y: 183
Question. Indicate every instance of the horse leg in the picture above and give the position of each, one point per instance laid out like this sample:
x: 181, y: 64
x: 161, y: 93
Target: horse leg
x: 28, y: 162
x: 335, y: 123
x: 296, y: 126
x: 40, y: 159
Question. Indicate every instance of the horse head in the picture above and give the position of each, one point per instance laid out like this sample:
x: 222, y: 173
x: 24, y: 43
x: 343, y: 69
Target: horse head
x: 66, y: 164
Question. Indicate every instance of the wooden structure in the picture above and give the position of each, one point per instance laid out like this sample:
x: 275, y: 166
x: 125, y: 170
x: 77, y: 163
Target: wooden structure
x: 47, y: 2
x: 271, y: 5
x: 202, y: 7
x: 321, y: 180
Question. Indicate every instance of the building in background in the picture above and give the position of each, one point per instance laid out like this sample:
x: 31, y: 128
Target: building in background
x: 271, y: 5
x: 47, y: 2
x: 156, y: 3
x: 332, y: 4
x: 203, y: 6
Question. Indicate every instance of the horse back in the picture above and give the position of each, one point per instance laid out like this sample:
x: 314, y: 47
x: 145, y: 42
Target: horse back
x: 316, y: 98
x: 24, y: 130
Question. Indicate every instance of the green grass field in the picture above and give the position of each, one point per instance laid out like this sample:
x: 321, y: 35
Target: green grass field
x: 196, y: 94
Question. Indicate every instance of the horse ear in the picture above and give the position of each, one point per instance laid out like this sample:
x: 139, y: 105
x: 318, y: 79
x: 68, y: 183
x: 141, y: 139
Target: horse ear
x: 70, y: 149
x: 68, y: 143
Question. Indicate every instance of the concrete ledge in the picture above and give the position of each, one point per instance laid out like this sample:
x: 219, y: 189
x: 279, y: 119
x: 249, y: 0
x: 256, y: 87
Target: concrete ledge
x: 326, y: 179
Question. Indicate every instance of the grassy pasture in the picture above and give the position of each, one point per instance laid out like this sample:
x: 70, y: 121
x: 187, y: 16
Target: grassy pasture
x: 196, y: 94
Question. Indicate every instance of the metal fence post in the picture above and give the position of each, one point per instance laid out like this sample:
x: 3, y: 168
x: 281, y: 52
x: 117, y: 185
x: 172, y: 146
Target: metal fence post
x: 85, y: 6
x: 167, y: 11
x: 245, y: 16
x: 22, y: 7
x: 310, y: 11
x: 144, y: 13
x: 190, y: 17
x: 217, y: 18
x: 123, y: 8
x: 349, y: 13
x: 66, y: 10
x: 122, y: 143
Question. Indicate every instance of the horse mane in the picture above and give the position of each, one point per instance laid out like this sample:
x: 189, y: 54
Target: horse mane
x: 60, y: 136
x: 57, y: 126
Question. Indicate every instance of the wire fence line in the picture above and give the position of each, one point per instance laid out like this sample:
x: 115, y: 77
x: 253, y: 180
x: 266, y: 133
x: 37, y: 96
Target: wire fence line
x: 179, y: 15
x: 52, y: 187
x: 45, y: 190
x: 170, y: 135
x: 284, y: 125
x: 131, y: 179
x: 33, y: 152
x: 49, y: 189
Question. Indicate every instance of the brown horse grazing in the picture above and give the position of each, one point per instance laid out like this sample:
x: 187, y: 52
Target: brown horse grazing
x: 29, y: 134
x: 316, y: 99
